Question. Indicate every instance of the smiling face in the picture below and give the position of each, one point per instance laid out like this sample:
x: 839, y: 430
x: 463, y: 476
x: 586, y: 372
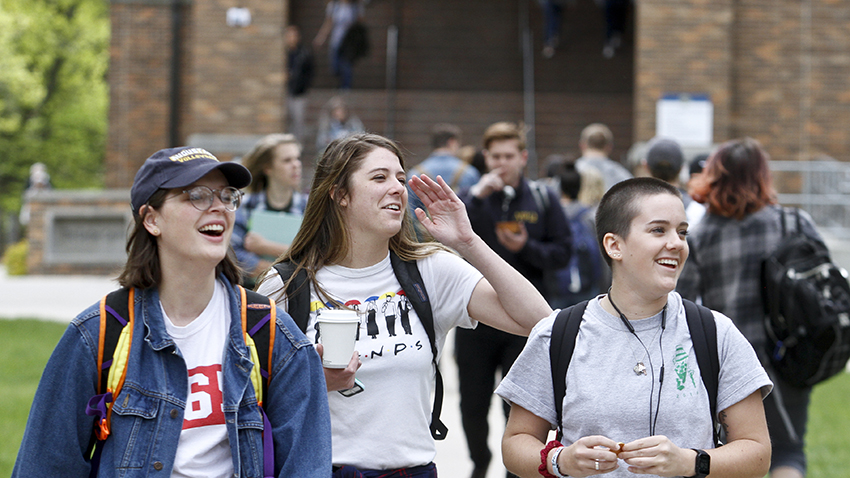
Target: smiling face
x: 650, y: 258
x: 285, y: 166
x: 376, y: 199
x: 186, y: 235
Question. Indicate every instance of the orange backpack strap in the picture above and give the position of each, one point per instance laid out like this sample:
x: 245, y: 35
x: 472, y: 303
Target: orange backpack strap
x: 113, y: 349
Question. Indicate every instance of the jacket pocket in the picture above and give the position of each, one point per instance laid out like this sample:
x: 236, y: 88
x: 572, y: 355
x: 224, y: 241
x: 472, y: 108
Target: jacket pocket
x: 134, y: 427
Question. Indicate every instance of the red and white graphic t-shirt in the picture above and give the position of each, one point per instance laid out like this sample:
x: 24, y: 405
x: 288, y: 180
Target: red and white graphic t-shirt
x: 204, y: 449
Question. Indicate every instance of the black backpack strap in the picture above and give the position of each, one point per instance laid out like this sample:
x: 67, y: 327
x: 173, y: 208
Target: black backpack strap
x: 297, y: 293
x: 703, y: 331
x: 414, y: 289
x: 561, y: 346
x: 118, y: 313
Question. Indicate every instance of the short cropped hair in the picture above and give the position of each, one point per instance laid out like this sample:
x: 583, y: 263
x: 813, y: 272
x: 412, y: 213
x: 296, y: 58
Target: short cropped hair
x: 597, y: 136
x: 504, y: 131
x: 619, y: 207
x: 442, y: 133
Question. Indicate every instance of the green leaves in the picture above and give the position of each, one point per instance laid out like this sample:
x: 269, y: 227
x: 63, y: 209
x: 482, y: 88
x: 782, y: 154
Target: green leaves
x: 54, y: 56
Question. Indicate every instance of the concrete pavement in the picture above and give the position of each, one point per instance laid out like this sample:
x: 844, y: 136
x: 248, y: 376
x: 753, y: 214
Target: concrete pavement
x: 61, y: 298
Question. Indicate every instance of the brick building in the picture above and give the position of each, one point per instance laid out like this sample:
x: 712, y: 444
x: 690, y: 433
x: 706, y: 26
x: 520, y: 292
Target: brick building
x: 774, y: 69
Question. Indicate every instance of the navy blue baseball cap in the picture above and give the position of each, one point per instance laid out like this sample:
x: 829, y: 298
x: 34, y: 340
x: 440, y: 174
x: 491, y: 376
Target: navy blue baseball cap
x: 179, y: 167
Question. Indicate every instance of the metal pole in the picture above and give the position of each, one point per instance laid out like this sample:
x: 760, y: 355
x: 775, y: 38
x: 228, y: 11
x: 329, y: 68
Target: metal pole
x: 527, y: 45
x: 174, y: 103
x: 392, y: 72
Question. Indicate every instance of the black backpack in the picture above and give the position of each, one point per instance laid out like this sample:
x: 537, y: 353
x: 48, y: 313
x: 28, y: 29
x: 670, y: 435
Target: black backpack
x: 298, y: 297
x: 581, y: 278
x: 807, y: 309
x: 703, y: 331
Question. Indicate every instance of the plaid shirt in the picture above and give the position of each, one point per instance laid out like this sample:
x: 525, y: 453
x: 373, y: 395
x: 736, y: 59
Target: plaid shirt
x: 724, y: 267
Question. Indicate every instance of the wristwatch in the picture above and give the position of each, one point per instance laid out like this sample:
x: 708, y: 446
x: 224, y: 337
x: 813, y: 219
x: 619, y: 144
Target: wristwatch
x: 703, y: 464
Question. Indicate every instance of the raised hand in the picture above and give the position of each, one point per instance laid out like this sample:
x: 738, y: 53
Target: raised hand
x: 446, y: 220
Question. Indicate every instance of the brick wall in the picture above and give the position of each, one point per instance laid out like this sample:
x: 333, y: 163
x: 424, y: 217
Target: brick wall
x: 231, y: 78
x: 140, y: 91
x: 236, y: 74
x: 775, y: 70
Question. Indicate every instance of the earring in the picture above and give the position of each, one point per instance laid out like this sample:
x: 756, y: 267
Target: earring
x: 155, y: 232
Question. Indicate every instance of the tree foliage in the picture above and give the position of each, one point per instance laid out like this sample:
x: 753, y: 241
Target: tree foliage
x: 54, y: 56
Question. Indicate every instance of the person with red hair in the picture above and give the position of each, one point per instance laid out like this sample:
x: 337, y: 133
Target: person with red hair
x: 742, y: 226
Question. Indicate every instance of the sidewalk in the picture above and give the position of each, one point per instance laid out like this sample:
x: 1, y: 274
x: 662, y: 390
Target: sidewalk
x: 56, y: 298
x: 61, y: 298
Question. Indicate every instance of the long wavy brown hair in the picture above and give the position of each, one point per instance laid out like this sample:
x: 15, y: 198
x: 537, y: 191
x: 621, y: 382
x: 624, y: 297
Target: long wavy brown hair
x: 323, y: 238
x: 736, y: 181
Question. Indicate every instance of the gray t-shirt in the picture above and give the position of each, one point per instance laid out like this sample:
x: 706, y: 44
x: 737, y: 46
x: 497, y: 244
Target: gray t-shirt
x: 606, y: 397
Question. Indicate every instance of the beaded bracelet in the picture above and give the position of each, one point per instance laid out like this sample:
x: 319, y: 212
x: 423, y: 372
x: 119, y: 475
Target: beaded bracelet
x: 544, y: 458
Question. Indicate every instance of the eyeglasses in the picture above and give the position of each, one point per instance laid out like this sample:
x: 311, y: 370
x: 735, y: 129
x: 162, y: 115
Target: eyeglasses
x: 203, y: 197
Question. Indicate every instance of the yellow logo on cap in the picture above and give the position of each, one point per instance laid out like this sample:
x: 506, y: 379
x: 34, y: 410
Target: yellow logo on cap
x: 190, y: 154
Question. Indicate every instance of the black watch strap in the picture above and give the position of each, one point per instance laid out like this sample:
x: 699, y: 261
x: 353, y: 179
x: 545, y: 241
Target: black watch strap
x: 702, y: 465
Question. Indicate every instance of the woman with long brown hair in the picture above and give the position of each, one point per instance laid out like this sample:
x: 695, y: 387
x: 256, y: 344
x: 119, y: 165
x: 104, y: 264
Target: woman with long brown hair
x: 356, y: 217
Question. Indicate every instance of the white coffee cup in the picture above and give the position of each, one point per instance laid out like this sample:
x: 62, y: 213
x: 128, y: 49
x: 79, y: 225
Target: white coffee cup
x: 337, y: 333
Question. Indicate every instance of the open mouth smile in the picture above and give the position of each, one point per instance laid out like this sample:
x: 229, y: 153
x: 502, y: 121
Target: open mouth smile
x: 214, y: 230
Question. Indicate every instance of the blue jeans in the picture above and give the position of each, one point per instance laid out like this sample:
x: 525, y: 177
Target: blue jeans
x: 342, y: 68
x: 787, y: 412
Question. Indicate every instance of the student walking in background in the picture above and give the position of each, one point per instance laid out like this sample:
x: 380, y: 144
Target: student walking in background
x: 275, y: 165
x: 444, y: 161
x: 299, y: 68
x: 596, y: 143
x: 741, y: 228
x: 340, y: 16
x: 524, y: 223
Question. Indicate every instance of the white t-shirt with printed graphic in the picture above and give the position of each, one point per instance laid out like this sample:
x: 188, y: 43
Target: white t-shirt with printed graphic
x: 204, y: 449
x: 387, y: 425
x: 606, y: 397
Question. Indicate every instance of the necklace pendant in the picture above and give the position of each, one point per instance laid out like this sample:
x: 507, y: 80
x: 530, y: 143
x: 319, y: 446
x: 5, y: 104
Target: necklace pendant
x: 640, y: 369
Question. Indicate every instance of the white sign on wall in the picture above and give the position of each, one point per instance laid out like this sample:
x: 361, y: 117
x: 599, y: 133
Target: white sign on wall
x: 687, y: 118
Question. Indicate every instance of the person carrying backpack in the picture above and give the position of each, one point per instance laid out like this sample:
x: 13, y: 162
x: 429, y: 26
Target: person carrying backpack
x: 585, y: 276
x: 742, y: 227
x: 356, y: 226
x: 635, y: 400
x: 186, y: 404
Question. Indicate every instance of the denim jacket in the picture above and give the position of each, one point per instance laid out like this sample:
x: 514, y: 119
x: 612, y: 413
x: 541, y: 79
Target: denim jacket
x: 147, y: 415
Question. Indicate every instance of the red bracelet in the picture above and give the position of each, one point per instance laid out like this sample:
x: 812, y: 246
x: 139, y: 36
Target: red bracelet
x: 544, y: 458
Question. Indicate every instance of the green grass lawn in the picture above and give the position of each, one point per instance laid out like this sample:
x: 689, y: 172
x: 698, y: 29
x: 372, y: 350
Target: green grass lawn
x: 828, y: 439
x: 25, y: 346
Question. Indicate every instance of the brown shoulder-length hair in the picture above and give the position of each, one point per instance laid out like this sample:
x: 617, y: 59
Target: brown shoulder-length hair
x: 736, y: 180
x: 143, y: 269
x: 261, y: 155
x: 323, y: 237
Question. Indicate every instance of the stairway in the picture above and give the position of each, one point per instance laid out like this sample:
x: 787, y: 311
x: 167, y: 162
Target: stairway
x: 460, y: 61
